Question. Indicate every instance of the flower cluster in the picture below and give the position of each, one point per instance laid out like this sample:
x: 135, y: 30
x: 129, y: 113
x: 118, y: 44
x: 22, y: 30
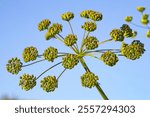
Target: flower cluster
x: 53, y: 30
x: 49, y: 83
x: 89, y: 79
x: 91, y: 42
x: 30, y: 54
x: 144, y: 19
x: 89, y: 26
x: 14, y: 65
x: 132, y: 51
x: 67, y: 16
x: 93, y: 15
x: 128, y: 18
x: 127, y: 31
x: 27, y: 81
x: 117, y: 35
x: 70, y: 40
x: 69, y: 61
x: 109, y: 58
x: 50, y: 54
x: 43, y: 24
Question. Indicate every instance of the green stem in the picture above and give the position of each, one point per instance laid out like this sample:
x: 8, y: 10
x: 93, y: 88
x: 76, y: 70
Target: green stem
x: 71, y: 27
x: 59, y: 38
x: 144, y: 27
x: 104, y: 50
x: 33, y: 63
x: 105, y: 41
x: 48, y: 69
x: 61, y: 74
x: 97, y: 85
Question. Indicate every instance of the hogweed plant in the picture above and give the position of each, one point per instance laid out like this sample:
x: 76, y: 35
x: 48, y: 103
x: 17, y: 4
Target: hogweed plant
x: 89, y: 47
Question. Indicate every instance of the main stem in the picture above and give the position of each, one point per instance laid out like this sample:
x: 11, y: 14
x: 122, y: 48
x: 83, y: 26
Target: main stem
x: 97, y: 84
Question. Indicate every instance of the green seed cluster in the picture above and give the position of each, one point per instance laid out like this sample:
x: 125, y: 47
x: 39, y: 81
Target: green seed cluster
x: 14, y: 65
x: 91, y: 43
x: 127, y: 31
x: 140, y: 9
x: 144, y: 19
x: 117, y: 35
x: 50, y: 53
x: 133, y: 51
x: 93, y: 15
x: 89, y: 79
x: 89, y: 26
x: 69, y: 61
x: 67, y: 16
x: 30, y: 54
x: 27, y: 81
x: 49, y: 83
x: 128, y: 18
x: 70, y: 40
x: 53, y: 30
x: 109, y: 58
x: 43, y: 24
x: 148, y: 33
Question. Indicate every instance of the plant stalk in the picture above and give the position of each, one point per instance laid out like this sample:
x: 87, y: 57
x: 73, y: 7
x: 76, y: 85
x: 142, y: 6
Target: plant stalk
x: 97, y: 85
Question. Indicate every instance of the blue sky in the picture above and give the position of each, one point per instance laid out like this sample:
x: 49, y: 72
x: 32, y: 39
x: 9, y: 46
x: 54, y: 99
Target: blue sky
x: 18, y: 29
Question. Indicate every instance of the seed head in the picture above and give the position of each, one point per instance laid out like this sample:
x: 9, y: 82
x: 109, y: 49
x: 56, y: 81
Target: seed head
x: 117, y: 35
x: 89, y: 26
x: 109, y: 58
x: 140, y: 9
x: 53, y: 30
x: 14, y: 65
x: 67, y: 16
x: 70, y: 40
x: 91, y: 43
x: 27, y: 81
x: 133, y: 51
x: 43, y: 25
x: 128, y: 18
x: 69, y: 61
x: 30, y: 54
x: 127, y: 31
x: 89, y: 79
x: 50, y: 54
x: 49, y: 83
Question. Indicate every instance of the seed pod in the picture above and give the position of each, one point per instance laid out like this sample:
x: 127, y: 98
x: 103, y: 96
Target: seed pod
x: 140, y: 9
x: 30, y: 54
x: 109, y: 58
x: 43, y: 24
x: 128, y: 18
x: 133, y: 51
x: 127, y: 31
x: 67, y: 16
x: 89, y: 79
x: 89, y: 26
x: 117, y: 35
x: 148, y: 34
x: 27, y: 81
x: 50, y: 53
x: 49, y: 83
x: 14, y: 65
x: 69, y: 61
x: 91, y: 43
x: 70, y: 40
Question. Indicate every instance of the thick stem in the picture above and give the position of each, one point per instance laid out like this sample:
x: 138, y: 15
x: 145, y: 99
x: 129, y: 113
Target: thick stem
x: 97, y: 85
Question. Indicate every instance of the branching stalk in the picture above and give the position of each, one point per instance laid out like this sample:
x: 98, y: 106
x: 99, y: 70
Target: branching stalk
x: 33, y: 63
